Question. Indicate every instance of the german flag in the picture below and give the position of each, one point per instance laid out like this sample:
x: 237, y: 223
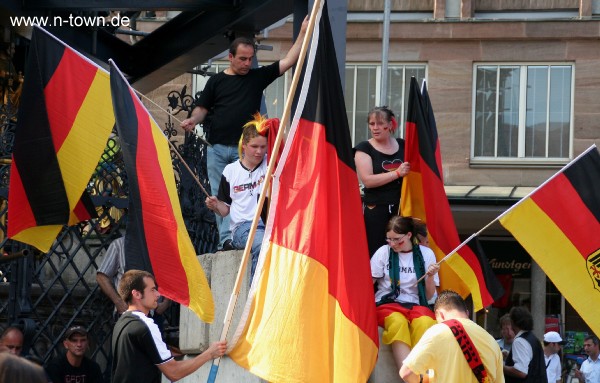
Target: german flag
x: 63, y: 125
x: 423, y: 196
x: 156, y: 239
x: 311, y: 311
x: 559, y: 225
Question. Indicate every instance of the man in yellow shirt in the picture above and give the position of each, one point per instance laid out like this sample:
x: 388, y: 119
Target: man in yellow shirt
x: 438, y: 353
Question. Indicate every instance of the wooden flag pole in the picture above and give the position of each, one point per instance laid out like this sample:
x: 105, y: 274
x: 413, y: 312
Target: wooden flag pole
x: 175, y: 149
x: 508, y: 211
x: 284, y: 119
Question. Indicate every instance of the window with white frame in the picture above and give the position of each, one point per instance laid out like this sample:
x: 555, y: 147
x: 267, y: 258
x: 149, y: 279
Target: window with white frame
x: 523, y: 113
x: 362, y: 86
x: 363, y: 83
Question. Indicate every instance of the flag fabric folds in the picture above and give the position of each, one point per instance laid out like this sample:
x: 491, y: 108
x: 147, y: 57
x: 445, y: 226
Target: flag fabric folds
x: 558, y: 225
x: 63, y: 125
x: 423, y: 196
x: 156, y: 239
x: 310, y: 315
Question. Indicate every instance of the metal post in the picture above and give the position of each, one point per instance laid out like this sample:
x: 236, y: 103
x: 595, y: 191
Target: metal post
x: 538, y: 299
x: 385, y: 52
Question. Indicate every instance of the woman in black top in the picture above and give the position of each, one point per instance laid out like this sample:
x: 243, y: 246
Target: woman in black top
x: 380, y: 167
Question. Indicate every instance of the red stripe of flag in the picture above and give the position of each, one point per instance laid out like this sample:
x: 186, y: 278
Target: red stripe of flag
x: 155, y: 205
x: 580, y: 227
x: 62, y: 111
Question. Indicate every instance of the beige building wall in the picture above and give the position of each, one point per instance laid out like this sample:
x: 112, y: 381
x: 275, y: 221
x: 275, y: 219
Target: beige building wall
x: 450, y: 49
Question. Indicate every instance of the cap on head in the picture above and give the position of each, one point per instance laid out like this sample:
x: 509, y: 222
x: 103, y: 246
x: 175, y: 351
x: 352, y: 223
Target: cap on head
x: 553, y: 337
x: 75, y: 330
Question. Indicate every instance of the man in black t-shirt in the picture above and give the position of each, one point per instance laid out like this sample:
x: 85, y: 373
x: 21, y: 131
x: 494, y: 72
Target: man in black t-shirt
x: 139, y: 353
x: 74, y: 366
x: 233, y: 96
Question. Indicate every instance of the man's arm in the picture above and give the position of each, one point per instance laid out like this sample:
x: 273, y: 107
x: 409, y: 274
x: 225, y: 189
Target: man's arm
x: 108, y: 289
x: 513, y: 372
x: 163, y: 306
x: 179, y: 369
x: 408, y: 376
x: 198, y: 115
x: 292, y: 56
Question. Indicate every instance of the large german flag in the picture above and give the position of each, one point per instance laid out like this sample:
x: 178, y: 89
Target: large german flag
x: 311, y: 313
x: 156, y: 239
x: 423, y: 196
x: 559, y: 225
x: 64, y: 122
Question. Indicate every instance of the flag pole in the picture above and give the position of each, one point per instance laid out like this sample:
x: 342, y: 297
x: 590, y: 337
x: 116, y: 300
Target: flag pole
x: 173, y: 146
x: 593, y: 146
x: 284, y: 120
x: 167, y: 112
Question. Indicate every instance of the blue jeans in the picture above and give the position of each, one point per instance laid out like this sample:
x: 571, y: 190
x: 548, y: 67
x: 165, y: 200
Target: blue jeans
x: 217, y: 157
x: 240, y: 237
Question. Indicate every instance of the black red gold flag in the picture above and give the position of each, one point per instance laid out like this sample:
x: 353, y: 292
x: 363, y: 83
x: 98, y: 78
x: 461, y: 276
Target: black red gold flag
x: 63, y: 125
x: 310, y: 315
x: 156, y: 239
x: 558, y: 225
x: 423, y: 196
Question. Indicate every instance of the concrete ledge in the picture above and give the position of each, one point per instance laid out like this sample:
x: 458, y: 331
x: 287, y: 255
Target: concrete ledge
x: 385, y: 370
x: 194, y: 335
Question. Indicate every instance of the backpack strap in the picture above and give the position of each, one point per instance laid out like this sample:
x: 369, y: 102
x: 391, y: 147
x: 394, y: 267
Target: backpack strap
x: 469, y: 351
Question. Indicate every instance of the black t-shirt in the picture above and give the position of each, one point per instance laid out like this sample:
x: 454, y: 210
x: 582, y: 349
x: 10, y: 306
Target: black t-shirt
x: 137, y: 349
x: 233, y: 100
x: 61, y: 371
x: 383, y: 163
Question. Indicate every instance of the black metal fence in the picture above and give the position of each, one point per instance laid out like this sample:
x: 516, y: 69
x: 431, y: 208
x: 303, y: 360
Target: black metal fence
x: 46, y: 293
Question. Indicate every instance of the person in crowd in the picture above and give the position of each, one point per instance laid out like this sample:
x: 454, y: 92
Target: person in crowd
x: 74, y: 366
x: 590, y: 368
x: 507, y: 335
x: 233, y: 97
x: 241, y: 185
x: 380, y: 166
x: 12, y: 340
x: 139, y: 353
x: 402, y: 308
x: 111, y: 271
x: 525, y: 361
x: 444, y: 351
x: 552, y: 345
x: 14, y: 369
x: 109, y: 275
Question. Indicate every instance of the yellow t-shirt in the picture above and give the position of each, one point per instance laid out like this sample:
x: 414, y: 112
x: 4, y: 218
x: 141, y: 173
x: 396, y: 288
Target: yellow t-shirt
x: 439, y: 350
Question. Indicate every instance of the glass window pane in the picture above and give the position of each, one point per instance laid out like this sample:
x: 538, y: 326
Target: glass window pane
x: 349, y: 98
x: 366, y: 78
x: 394, y: 94
x: 485, y: 110
x: 560, y: 111
x: 275, y: 95
x: 537, y: 108
x: 508, y: 112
